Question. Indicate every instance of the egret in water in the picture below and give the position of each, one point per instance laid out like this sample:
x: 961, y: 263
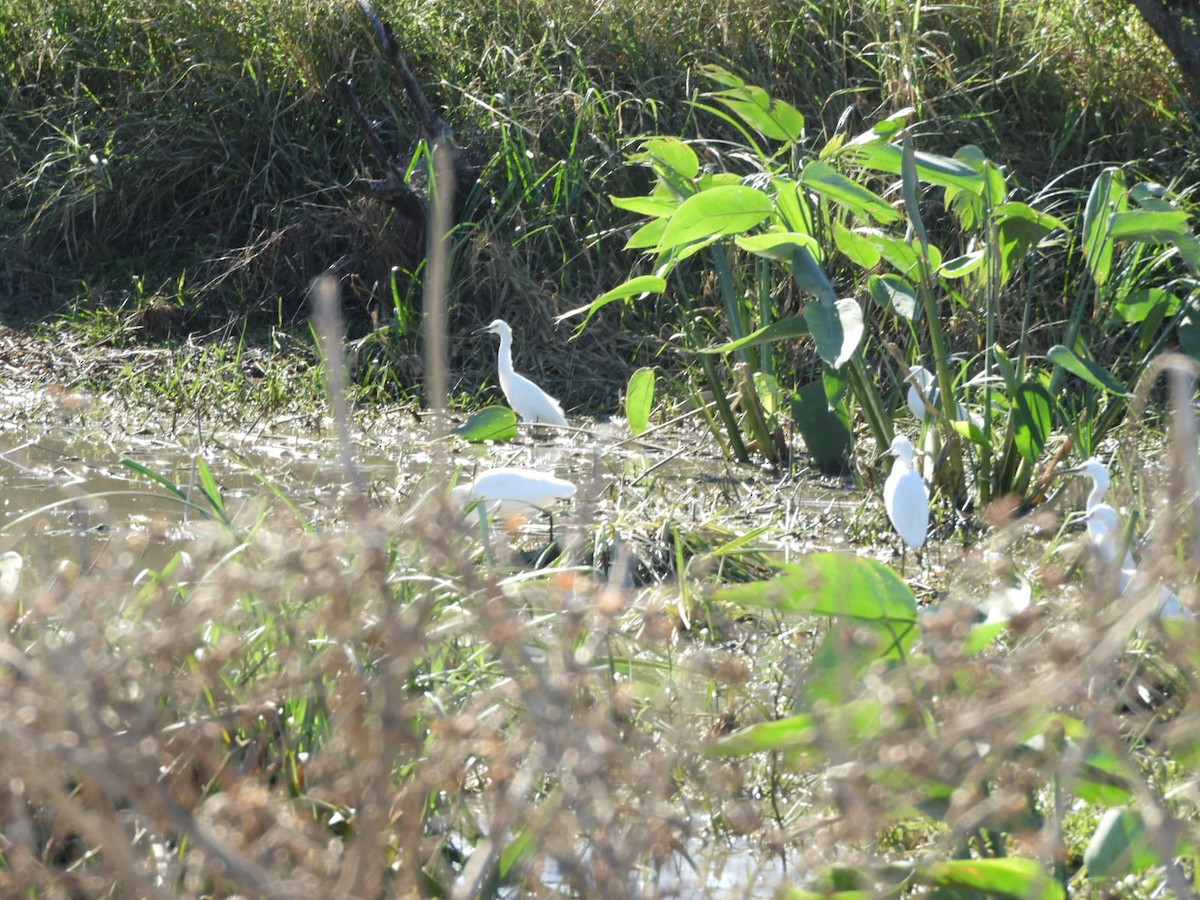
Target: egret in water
x: 905, y: 495
x: 508, y: 490
x: 1107, y: 536
x: 527, y: 400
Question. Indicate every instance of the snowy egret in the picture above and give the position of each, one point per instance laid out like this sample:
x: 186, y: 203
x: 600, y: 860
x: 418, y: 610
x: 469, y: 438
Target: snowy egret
x: 507, y: 490
x: 527, y: 400
x: 1107, y: 536
x: 905, y: 495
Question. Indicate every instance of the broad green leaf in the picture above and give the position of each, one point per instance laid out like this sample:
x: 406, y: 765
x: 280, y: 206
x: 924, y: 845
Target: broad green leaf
x: 634, y: 287
x: 1119, y: 846
x: 793, y: 205
x: 725, y: 210
x: 788, y: 329
x: 931, y: 168
x: 1089, y: 370
x: 1015, y: 877
x: 824, y: 429
x: 1189, y: 251
x: 832, y: 584
x: 648, y: 235
x: 639, y: 399
x: 962, y: 266
x: 1031, y: 417
x: 1106, y: 197
x: 811, y: 278
x: 645, y: 206
x: 898, y: 252
x: 776, y: 245
x: 825, y: 180
x: 881, y: 131
x: 770, y: 117
x: 858, y: 249
x: 1143, y: 225
x: 670, y: 155
x: 895, y: 294
x: 837, y: 329
x: 493, y: 423
x: 721, y: 75
x: 1188, y: 331
x: 1139, y: 305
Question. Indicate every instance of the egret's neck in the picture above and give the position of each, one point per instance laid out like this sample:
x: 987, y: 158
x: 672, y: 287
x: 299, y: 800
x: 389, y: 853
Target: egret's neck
x: 1096, y: 495
x: 506, y: 364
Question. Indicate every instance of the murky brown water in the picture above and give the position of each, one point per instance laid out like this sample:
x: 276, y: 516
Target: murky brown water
x: 67, y: 496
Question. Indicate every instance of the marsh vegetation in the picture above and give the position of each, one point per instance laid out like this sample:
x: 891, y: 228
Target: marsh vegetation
x: 254, y: 643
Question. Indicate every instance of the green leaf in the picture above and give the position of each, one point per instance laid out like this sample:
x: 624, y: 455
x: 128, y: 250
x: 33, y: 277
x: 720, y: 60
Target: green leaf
x: 799, y: 732
x: 857, y: 248
x: 1016, y: 877
x: 1150, y: 227
x: 1119, y: 846
x: 837, y: 329
x: 1140, y: 305
x: 493, y: 423
x: 1188, y: 331
x: 895, y: 294
x: 210, y: 489
x: 832, y: 584
x: 962, y: 266
x: 811, y: 278
x: 825, y: 180
x: 648, y: 235
x: 670, y: 156
x: 931, y: 168
x: 772, y: 118
x: 824, y: 429
x: 911, y: 189
x: 639, y: 399
x: 1106, y: 197
x: 788, y: 329
x: 657, y: 207
x: 634, y: 287
x: 1089, y: 370
x: 793, y: 205
x: 721, y: 75
x: 725, y: 210
x: 161, y: 480
x: 1032, y: 405
x: 776, y: 245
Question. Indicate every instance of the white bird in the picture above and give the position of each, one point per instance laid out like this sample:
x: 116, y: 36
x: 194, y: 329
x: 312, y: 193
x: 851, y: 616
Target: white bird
x: 905, y: 495
x: 527, y: 400
x: 1094, y: 469
x: 1107, y: 536
x: 507, y: 490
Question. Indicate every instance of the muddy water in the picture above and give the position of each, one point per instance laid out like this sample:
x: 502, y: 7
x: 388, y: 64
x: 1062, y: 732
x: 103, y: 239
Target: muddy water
x: 67, y: 495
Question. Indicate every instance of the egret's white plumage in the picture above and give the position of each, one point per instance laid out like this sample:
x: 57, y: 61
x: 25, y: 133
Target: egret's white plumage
x: 1107, y: 536
x: 509, y: 489
x: 919, y: 377
x: 905, y: 495
x: 527, y: 400
x: 1094, y: 469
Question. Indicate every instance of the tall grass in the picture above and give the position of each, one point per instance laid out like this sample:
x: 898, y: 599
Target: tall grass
x: 183, y: 144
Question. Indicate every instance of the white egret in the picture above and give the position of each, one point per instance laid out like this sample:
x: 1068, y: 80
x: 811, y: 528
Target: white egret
x: 527, y: 400
x: 905, y: 495
x: 508, y: 489
x: 1107, y: 536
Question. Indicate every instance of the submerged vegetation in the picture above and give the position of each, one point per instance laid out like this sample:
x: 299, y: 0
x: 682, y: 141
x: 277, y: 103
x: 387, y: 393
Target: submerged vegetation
x: 777, y: 247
